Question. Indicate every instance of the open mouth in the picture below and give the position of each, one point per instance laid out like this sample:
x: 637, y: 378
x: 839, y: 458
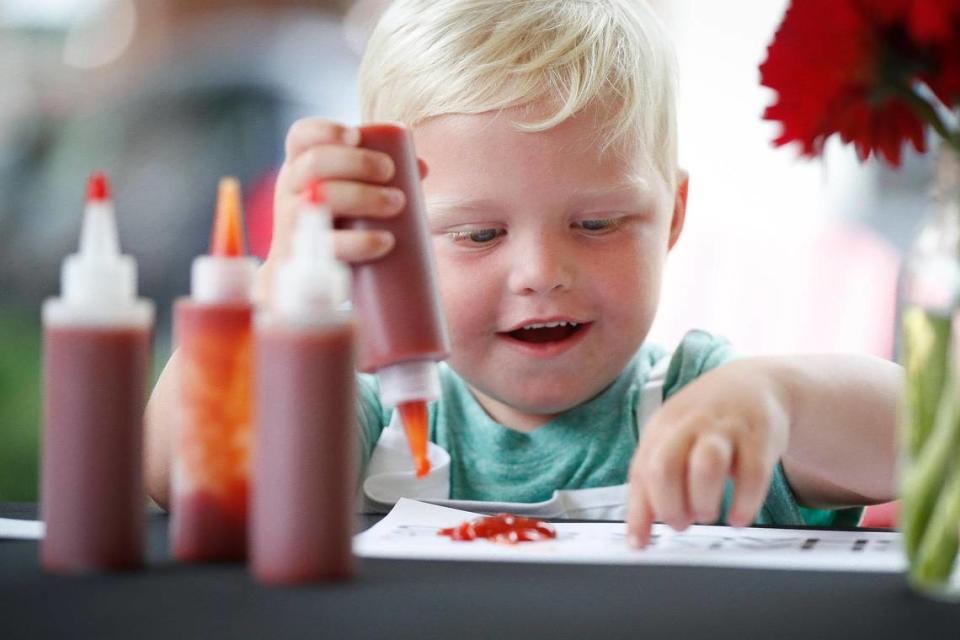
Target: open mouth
x: 547, y: 332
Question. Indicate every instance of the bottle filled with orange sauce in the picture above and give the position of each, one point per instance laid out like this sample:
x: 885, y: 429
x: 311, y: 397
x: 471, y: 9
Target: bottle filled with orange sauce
x: 210, y: 488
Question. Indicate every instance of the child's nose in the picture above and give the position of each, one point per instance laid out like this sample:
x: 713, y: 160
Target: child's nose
x: 541, y: 267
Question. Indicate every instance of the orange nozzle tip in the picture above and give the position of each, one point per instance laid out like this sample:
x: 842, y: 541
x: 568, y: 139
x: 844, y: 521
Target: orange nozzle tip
x: 423, y: 467
x: 316, y: 193
x: 227, y: 238
x: 415, y: 419
x: 98, y: 187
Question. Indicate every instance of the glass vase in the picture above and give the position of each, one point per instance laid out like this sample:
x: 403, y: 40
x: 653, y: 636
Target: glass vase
x: 929, y: 421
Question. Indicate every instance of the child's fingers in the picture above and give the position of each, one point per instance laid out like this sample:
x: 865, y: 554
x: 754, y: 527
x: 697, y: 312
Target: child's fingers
x: 332, y: 162
x: 346, y: 199
x: 307, y: 132
x: 665, y: 475
x: 751, y: 477
x: 639, y: 519
x: 710, y: 460
x: 358, y: 200
x: 352, y: 245
x: 423, y: 168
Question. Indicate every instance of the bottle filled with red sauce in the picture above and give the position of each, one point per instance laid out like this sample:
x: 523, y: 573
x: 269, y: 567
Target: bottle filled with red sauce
x: 402, y: 331
x: 96, y: 356
x: 305, y: 449
x: 212, y: 441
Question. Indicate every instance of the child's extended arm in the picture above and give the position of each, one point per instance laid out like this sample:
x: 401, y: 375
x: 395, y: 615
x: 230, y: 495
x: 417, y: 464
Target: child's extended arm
x: 829, y: 418
x: 315, y: 148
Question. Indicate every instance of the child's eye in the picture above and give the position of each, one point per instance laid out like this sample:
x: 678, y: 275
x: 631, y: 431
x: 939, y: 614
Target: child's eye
x: 476, y: 236
x: 599, y: 225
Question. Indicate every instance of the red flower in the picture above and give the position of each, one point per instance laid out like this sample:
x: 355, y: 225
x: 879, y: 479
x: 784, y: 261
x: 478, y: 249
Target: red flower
x: 849, y: 67
x: 927, y: 21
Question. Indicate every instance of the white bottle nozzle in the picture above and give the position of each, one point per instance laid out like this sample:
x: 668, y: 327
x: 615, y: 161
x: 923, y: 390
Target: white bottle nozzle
x: 98, y: 273
x: 409, y: 381
x: 98, y: 283
x: 225, y: 275
x: 311, y: 283
x: 98, y: 238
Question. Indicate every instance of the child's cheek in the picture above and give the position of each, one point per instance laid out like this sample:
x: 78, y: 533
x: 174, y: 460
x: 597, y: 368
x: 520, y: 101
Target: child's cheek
x: 456, y: 294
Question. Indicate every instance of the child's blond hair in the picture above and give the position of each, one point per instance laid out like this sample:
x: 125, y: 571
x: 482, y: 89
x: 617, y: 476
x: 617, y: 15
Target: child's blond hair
x: 428, y: 58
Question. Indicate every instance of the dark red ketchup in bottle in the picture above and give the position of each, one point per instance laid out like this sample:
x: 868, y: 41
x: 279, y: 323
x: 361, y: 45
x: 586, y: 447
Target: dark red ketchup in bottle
x: 402, y: 331
x: 96, y: 354
x: 305, y: 453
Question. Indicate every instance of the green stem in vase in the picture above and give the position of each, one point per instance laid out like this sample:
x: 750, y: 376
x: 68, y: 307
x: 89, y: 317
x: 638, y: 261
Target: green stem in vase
x: 926, y: 341
x: 926, y: 111
x: 925, y: 477
x: 937, y: 551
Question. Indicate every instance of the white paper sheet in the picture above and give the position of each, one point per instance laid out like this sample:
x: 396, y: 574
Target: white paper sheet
x: 20, y: 529
x: 409, y: 531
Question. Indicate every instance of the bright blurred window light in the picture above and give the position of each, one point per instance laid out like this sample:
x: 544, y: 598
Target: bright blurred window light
x: 49, y: 14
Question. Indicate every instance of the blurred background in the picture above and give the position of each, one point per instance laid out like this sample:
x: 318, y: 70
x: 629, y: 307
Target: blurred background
x: 778, y: 254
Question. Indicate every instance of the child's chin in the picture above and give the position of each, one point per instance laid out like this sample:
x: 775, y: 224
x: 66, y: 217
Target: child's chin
x: 545, y: 402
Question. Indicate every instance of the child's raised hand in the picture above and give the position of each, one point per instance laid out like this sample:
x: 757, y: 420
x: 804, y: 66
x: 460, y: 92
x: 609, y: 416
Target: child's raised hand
x: 355, y: 178
x: 319, y: 148
x: 732, y: 421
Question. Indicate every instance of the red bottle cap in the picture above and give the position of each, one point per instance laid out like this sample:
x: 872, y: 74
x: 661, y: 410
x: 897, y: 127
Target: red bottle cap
x: 316, y: 193
x: 98, y: 187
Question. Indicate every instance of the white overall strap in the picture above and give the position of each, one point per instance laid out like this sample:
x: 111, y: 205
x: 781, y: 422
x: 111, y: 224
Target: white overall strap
x: 651, y: 395
x: 610, y: 503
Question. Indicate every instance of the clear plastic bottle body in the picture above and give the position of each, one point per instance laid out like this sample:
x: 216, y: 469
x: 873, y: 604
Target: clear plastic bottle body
x: 96, y: 358
x: 210, y: 481
x: 94, y: 388
x: 306, y: 450
x: 395, y: 298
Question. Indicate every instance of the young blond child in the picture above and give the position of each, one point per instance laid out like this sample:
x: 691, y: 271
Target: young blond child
x: 548, y: 140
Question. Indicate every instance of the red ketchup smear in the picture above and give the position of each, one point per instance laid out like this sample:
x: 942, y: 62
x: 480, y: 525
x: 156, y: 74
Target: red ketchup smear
x: 505, y: 528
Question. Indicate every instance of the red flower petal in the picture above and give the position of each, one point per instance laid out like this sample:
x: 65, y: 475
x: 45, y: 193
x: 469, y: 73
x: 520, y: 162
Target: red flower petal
x: 843, y: 66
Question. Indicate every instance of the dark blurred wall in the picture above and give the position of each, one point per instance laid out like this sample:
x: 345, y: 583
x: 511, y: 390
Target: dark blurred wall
x: 203, y: 89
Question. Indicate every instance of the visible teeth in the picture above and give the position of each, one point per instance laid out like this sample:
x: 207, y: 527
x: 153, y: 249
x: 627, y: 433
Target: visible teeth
x: 550, y: 325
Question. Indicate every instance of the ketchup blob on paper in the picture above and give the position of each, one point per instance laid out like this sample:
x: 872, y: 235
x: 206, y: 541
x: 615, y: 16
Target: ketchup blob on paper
x: 504, y: 528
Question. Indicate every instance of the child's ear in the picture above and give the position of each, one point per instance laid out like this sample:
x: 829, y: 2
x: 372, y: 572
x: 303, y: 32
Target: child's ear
x: 679, y: 207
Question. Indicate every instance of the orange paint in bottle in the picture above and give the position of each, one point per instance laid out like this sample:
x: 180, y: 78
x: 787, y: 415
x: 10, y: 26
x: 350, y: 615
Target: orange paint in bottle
x: 212, y: 441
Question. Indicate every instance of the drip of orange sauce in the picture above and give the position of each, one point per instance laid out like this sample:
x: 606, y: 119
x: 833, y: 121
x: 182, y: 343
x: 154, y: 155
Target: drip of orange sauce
x: 414, y: 417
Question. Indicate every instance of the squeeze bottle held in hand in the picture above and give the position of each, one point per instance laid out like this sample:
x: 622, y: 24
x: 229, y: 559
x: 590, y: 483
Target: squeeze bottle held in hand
x: 305, y: 451
x: 402, y: 331
x: 212, y: 440
x: 96, y: 356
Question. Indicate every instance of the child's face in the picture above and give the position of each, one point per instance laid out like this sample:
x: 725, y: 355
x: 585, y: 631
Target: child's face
x: 534, y: 229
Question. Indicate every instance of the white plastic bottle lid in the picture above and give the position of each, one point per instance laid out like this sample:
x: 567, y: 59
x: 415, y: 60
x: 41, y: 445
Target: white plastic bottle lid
x: 98, y: 283
x: 311, y: 285
x: 227, y: 274
x: 408, y: 381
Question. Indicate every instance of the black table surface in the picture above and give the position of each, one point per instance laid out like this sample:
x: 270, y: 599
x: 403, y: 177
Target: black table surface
x: 426, y: 599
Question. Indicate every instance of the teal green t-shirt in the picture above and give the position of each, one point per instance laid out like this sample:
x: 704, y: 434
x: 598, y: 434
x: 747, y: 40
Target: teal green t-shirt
x: 588, y: 446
